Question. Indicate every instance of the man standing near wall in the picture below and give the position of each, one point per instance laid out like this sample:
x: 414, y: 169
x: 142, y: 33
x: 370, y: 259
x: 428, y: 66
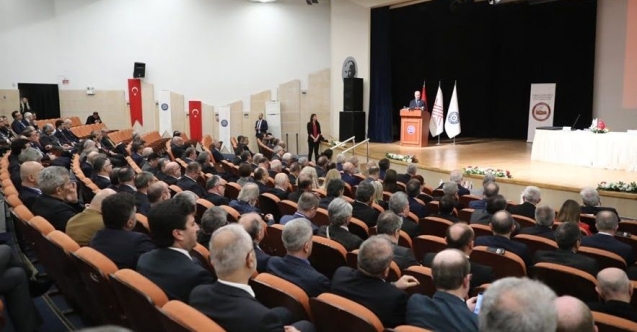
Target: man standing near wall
x: 261, y: 126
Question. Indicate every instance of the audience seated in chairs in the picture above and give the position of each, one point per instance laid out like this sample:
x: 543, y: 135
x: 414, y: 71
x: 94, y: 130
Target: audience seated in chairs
x: 214, y: 218
x: 173, y: 173
x: 457, y: 177
x: 281, y: 183
x: 295, y: 266
x: 117, y: 241
x: 568, y: 238
x: 378, y: 198
x: 157, y: 193
x: 161, y: 169
x: 189, y: 155
x: 136, y: 153
x: 502, y: 226
x: 570, y: 212
x: 143, y: 181
x: 616, y: 291
x: 372, y: 174
x: 253, y: 224
x: 413, y: 190
x: 86, y: 165
x: 151, y: 164
x: 33, y: 137
x: 495, y: 203
x: 215, y: 190
x: 446, y: 310
x: 333, y: 189
x: 592, y: 202
x: 304, y: 186
x: 445, y: 208
x: 340, y: 214
x: 518, y: 304
x: 205, y: 160
x: 126, y: 180
x: 261, y: 178
x: 460, y: 236
x: 399, y: 204
x: 247, y: 200
x: 306, y: 208
x: 321, y: 166
x: 83, y: 226
x: 544, y: 216
x: 531, y: 197
x: 411, y: 171
x: 367, y: 285
x: 29, y: 191
x: 177, y: 146
x: 275, y: 168
x: 606, y: 223
x: 390, y: 224
x: 102, y: 167
x: 170, y: 266
x: 573, y: 315
x: 235, y: 307
x: 59, y: 201
x: 189, y: 180
x: 245, y: 170
x: 362, y: 206
x: 489, y: 189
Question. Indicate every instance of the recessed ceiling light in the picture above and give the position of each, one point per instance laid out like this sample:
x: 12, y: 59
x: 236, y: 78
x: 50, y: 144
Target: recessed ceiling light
x: 262, y: 1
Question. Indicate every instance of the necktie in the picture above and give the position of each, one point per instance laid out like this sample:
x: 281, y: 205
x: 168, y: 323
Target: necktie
x: 259, y: 126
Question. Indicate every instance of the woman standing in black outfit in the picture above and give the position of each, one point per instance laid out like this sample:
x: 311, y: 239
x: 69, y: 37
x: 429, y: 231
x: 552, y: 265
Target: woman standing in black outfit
x: 314, y: 137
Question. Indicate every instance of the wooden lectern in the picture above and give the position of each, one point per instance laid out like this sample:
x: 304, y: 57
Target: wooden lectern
x: 414, y: 127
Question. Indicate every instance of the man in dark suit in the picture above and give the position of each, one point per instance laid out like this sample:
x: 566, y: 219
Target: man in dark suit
x: 65, y: 134
x: 445, y: 208
x: 568, y: 238
x: 214, y: 218
x: 544, y: 216
x: 399, y: 204
x: 261, y: 179
x: 502, y: 227
x: 304, y: 186
x: 126, y: 180
x: 170, y: 266
x: 58, y: 202
x: 281, y: 183
x: 51, y: 143
x: 460, y: 236
x: 136, y: 149
x: 252, y: 223
x: 615, y: 289
x: 495, y: 203
x: 17, y: 125
x: 606, y: 223
x: 295, y: 170
x: 446, y: 310
x: 412, y: 169
x: 340, y: 214
x: 117, y: 241
x: 235, y: 307
x: 333, y: 189
x: 143, y: 180
x: 215, y: 190
x: 532, y: 198
x: 417, y: 102
x: 295, y: 266
x: 93, y: 118
x: 189, y: 180
x: 348, y: 176
x: 389, y: 224
x: 367, y: 285
x: 592, y: 202
x: 457, y: 177
x: 34, y: 141
x: 173, y: 173
x: 29, y: 191
x: 215, y: 148
x: 260, y: 126
x: 177, y: 146
x: 488, y: 190
x: 362, y: 207
x: 415, y: 207
x: 102, y: 168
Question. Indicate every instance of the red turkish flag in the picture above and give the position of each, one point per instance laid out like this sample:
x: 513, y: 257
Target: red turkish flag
x: 135, y: 101
x: 194, y: 111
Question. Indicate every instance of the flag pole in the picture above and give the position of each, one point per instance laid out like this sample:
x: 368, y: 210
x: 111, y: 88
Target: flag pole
x: 438, y: 141
x: 454, y: 141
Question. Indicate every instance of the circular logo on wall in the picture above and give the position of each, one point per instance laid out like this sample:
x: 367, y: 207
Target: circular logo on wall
x: 454, y: 117
x: 541, y: 112
x: 350, y: 68
x: 411, y: 129
x: 224, y: 123
x: 164, y: 107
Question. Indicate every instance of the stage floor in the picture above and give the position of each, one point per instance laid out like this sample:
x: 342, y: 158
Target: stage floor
x: 511, y: 155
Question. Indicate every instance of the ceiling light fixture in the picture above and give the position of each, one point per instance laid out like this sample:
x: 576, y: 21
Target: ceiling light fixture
x: 262, y: 1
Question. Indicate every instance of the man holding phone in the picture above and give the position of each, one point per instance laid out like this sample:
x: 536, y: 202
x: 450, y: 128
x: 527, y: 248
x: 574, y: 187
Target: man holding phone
x: 447, y: 309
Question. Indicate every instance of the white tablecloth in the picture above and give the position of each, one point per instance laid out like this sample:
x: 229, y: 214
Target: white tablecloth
x: 614, y: 150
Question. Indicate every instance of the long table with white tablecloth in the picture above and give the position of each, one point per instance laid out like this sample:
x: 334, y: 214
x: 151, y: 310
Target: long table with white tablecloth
x: 614, y: 150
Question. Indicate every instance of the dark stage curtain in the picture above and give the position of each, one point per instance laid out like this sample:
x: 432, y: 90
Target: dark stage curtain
x: 43, y: 98
x: 495, y: 53
x: 380, y: 105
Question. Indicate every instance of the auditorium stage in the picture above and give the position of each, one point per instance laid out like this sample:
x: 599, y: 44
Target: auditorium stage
x: 511, y: 155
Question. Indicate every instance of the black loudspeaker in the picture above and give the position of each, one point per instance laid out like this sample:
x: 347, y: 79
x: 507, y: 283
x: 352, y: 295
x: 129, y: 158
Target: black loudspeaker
x: 139, y: 70
x: 352, y: 124
x: 353, y: 94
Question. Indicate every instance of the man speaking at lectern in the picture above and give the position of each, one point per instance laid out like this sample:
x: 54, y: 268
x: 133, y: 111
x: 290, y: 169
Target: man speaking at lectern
x: 417, y: 102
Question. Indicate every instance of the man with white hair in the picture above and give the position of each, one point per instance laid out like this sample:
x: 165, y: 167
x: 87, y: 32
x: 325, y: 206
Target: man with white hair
x: 457, y: 177
x: 518, y: 304
x: 573, y: 315
x: 340, y: 160
x: 275, y: 168
x: 340, y: 214
x: 616, y: 290
x: 399, y: 203
x: 348, y: 174
x: 58, y: 202
x: 286, y: 159
x: 281, y: 183
x: 544, y: 216
x: 235, y: 307
x: 412, y: 169
x: 29, y: 191
x: 295, y: 266
x: 592, y: 202
x: 531, y: 197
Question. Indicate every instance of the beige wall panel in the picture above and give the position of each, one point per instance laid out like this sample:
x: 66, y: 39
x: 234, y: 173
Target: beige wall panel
x: 178, y: 116
x: 257, y: 105
x: 209, y: 124
x: 289, y: 94
x: 304, y: 117
x: 319, y: 100
x: 9, y: 101
x: 111, y: 104
x: 236, y: 118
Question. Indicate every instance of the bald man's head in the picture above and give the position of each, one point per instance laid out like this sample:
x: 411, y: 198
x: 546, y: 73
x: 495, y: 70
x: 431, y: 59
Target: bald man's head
x: 460, y: 236
x: 450, y: 269
x: 348, y: 167
x: 29, y: 172
x: 172, y: 168
x: 573, y: 315
x: 613, y: 284
x: 96, y: 203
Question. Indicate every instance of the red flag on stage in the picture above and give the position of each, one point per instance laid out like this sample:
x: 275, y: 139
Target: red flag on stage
x: 194, y: 111
x: 423, y: 95
x: 135, y: 101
